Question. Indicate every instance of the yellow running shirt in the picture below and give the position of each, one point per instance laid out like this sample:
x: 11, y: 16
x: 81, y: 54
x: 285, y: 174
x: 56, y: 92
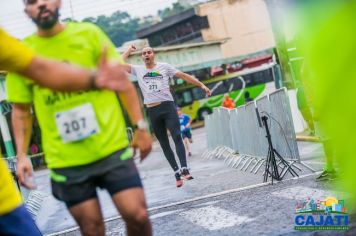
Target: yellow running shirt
x: 10, y: 198
x: 14, y: 56
x: 77, y: 128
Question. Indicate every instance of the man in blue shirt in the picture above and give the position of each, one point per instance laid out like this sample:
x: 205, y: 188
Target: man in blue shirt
x: 185, y: 129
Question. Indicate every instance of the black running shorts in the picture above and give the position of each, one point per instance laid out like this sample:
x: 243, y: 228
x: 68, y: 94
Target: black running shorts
x: 74, y: 185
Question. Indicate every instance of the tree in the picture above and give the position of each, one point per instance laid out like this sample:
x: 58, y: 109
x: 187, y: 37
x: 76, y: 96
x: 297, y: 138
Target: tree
x: 68, y: 20
x: 176, y: 9
x: 120, y: 27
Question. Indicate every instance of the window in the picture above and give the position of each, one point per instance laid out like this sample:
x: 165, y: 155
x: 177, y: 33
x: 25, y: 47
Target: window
x: 168, y: 36
x: 198, y: 93
x: 184, y: 29
x: 188, y: 30
x: 200, y: 23
x: 217, y: 88
x: 180, y: 81
x: 258, y: 77
x: 184, y: 98
x: 155, y: 40
x: 234, y: 84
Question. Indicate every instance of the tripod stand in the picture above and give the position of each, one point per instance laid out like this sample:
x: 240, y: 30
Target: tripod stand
x: 271, y: 168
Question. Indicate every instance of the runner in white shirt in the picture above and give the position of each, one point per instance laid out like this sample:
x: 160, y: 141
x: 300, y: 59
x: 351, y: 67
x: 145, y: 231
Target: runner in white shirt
x: 153, y: 79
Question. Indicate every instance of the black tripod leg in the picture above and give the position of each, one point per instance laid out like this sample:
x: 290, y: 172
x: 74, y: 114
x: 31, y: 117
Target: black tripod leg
x: 265, y: 177
x: 287, y: 165
x: 275, y: 167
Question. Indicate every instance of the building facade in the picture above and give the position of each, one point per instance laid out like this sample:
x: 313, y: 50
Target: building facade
x: 245, y: 23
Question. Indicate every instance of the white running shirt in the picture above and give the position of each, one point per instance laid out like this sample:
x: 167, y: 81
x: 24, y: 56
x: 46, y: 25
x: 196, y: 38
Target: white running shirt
x: 154, y: 83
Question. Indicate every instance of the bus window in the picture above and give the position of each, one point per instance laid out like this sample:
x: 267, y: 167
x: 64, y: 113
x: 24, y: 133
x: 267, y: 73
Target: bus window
x: 259, y: 77
x: 184, y: 98
x: 198, y: 93
x: 217, y: 88
x: 234, y: 84
x: 179, y: 81
x: 187, y: 97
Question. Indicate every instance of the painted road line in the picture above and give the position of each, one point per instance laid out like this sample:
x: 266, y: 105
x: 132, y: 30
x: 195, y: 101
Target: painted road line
x: 315, y: 162
x: 162, y: 214
x: 194, y: 200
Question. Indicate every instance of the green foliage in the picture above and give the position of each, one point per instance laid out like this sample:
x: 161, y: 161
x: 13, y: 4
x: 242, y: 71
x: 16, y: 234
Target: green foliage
x: 68, y: 20
x: 121, y: 27
x: 176, y: 9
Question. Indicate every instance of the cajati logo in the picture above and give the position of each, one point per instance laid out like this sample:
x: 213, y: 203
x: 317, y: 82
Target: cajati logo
x: 327, y: 214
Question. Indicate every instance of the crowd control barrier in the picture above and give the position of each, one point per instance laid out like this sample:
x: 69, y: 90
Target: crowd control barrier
x: 238, y: 136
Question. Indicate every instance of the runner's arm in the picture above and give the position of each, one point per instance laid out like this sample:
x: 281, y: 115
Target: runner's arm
x: 131, y: 103
x: 189, y: 122
x: 127, y: 68
x: 126, y: 55
x: 16, y: 57
x: 128, y: 52
x: 190, y: 79
x: 59, y: 76
x: 22, y: 126
x: 21, y: 118
x: 129, y: 99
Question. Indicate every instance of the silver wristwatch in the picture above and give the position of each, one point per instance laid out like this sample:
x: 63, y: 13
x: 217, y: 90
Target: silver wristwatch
x: 141, y: 125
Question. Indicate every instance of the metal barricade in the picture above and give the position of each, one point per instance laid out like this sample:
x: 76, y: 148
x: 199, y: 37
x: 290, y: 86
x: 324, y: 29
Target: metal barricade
x: 11, y: 163
x: 219, y: 135
x: 209, y: 125
x: 216, y: 128
x: 224, y: 128
x: 264, y: 107
x: 234, y: 125
x: 282, y: 127
x: 239, y: 131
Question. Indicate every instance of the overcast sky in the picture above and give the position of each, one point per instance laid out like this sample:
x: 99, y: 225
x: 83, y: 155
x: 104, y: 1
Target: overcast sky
x: 13, y: 19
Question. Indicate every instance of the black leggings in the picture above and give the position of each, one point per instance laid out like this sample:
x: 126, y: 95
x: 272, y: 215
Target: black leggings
x: 163, y: 117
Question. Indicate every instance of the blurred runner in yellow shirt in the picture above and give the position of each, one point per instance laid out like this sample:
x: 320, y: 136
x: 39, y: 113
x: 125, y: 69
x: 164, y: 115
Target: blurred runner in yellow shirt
x: 15, y: 57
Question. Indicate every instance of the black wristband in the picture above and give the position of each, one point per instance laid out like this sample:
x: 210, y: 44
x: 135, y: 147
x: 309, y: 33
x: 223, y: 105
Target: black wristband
x: 92, y: 79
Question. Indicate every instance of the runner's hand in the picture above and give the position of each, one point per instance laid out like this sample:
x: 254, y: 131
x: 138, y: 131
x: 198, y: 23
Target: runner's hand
x: 131, y: 49
x: 206, y: 90
x: 24, y: 173
x: 143, y: 141
x: 111, y: 76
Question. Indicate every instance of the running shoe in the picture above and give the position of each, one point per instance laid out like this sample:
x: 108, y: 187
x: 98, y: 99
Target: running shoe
x: 327, y: 175
x: 179, y: 181
x: 186, y: 175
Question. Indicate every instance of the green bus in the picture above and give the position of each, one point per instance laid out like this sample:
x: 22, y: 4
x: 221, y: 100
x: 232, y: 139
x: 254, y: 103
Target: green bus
x: 257, y: 81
